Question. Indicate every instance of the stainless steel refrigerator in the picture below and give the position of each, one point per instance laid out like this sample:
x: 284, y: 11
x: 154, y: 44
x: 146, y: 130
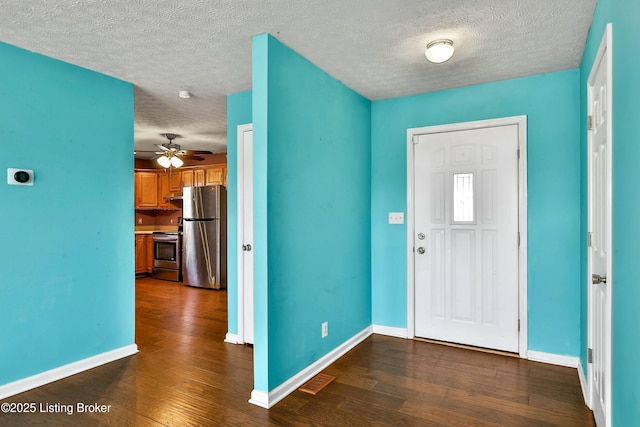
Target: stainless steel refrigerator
x: 204, y: 237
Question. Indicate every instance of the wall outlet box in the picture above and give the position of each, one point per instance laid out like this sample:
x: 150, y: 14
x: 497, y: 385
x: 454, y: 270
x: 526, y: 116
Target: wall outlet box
x: 396, y: 217
x: 17, y: 176
x: 325, y: 329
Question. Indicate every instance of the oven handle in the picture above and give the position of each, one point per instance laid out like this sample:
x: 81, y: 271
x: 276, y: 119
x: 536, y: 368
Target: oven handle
x: 165, y: 238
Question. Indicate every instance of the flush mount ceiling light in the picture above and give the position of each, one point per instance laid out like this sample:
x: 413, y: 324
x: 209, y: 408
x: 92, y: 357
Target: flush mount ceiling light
x: 185, y: 94
x: 439, y: 51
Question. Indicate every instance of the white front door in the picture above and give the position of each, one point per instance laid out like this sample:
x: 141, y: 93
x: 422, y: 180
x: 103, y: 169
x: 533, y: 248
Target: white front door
x: 600, y: 234
x: 466, y: 237
x: 245, y: 233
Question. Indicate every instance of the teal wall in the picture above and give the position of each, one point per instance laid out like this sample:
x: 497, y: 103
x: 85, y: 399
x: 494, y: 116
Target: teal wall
x: 238, y: 113
x: 67, y: 261
x: 550, y: 102
x: 312, y: 200
x: 624, y: 15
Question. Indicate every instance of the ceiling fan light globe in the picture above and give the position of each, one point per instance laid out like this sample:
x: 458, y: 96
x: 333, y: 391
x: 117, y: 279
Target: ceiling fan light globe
x: 164, y: 161
x: 176, y: 162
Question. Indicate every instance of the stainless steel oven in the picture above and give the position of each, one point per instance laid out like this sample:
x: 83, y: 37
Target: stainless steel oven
x: 167, y: 251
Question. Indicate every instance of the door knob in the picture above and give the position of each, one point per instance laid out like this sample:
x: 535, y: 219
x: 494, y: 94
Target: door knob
x: 596, y: 279
x: 246, y: 248
x: 421, y: 250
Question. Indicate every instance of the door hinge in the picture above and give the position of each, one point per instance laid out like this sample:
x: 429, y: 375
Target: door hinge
x: 589, y: 238
x: 518, y: 239
x: 518, y: 325
x: 589, y: 355
x: 518, y: 152
x: 414, y: 139
x: 590, y: 123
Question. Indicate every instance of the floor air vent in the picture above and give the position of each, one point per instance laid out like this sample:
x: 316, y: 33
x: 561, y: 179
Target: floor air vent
x: 317, y: 383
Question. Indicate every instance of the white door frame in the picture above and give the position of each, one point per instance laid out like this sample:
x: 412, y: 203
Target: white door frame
x: 240, y: 226
x: 604, y: 52
x: 521, y: 122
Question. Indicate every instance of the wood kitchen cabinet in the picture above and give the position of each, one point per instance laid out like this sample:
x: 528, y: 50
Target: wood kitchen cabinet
x: 141, y: 254
x: 144, y: 253
x: 187, y: 178
x: 146, y: 189
x: 153, y: 188
x: 163, y: 191
x: 175, y: 182
x: 150, y: 255
x: 199, y: 177
x: 214, y: 176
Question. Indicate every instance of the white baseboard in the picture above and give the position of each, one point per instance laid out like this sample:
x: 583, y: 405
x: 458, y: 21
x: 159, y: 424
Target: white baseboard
x: 391, y: 331
x: 554, y: 359
x: 260, y: 398
x: 267, y: 400
x: 61, y: 372
x: 231, y: 338
x: 584, y: 385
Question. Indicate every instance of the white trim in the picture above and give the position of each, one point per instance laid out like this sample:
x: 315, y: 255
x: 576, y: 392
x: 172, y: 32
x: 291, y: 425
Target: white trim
x: 605, y: 48
x: 240, y: 227
x: 267, y: 400
x: 521, y: 122
x: 554, y: 359
x: 390, y: 331
x: 523, y: 266
x: 231, y: 338
x: 411, y: 289
x: 584, y: 385
x: 260, y: 398
x: 64, y: 371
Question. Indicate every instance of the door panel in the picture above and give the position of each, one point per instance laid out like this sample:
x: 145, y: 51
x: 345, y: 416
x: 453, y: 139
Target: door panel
x: 466, y: 205
x: 599, y: 226
x: 246, y: 217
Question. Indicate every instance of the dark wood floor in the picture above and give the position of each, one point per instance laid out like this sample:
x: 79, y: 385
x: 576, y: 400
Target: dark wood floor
x: 185, y: 375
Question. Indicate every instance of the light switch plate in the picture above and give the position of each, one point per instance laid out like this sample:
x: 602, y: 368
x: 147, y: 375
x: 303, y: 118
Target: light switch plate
x: 396, y: 217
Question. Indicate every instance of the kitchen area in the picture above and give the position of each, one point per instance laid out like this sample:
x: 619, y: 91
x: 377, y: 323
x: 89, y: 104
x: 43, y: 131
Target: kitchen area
x: 180, y: 222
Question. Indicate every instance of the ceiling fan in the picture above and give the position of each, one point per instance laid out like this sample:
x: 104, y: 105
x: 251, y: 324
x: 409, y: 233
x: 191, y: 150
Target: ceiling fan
x: 171, y: 155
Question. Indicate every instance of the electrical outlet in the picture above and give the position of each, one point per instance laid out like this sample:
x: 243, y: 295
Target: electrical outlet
x: 396, y: 217
x: 171, y: 221
x: 325, y: 329
x: 139, y: 220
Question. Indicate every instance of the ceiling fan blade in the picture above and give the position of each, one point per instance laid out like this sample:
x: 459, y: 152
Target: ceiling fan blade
x: 192, y: 152
x: 162, y: 147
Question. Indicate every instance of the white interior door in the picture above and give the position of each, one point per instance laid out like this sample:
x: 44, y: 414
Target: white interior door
x: 600, y: 236
x: 466, y: 237
x: 245, y: 234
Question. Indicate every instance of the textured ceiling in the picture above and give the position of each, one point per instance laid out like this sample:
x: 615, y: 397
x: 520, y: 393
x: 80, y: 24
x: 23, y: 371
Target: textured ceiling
x: 375, y: 47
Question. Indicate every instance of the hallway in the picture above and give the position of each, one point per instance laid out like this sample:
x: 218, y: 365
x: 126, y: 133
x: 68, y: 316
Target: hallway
x: 185, y: 375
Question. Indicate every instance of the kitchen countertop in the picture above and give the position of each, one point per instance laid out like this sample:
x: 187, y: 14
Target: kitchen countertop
x: 149, y: 229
